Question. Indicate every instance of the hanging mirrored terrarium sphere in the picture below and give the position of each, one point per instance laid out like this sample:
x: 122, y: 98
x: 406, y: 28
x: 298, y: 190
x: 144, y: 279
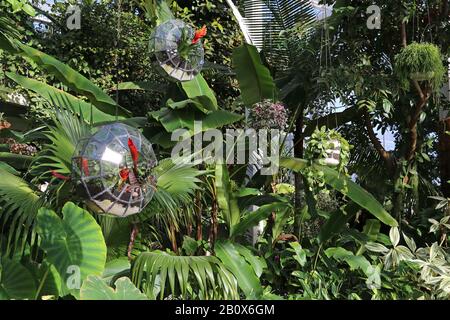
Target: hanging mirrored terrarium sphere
x: 178, y: 50
x: 333, y: 157
x: 113, y: 170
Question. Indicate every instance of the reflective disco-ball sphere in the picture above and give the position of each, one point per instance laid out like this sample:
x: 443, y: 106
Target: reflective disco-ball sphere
x: 164, y: 44
x: 113, y: 170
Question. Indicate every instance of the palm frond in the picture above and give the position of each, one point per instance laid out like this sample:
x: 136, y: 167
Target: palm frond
x: 195, y: 277
x: 63, y: 136
x: 8, y: 28
x: 180, y: 180
x: 19, y: 205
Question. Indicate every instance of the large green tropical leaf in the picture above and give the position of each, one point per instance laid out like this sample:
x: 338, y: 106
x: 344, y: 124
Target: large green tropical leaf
x: 354, y: 262
x: 254, y: 78
x: 185, y: 118
x: 199, y: 91
x: 8, y: 168
x: 337, y: 221
x: 74, y: 243
x: 16, y: 282
x: 95, y: 288
x: 60, y: 98
x: 226, y: 199
x: 358, y: 195
x: 8, y: 29
x: 62, y: 137
x: 177, y: 179
x: 73, y: 80
x: 243, y: 271
x: 142, y: 85
x: 258, y: 263
x: 19, y: 203
x: 251, y: 219
x: 186, y: 276
x: 200, y: 102
x: 157, y: 11
x: 347, y: 187
x: 18, y: 161
x: 116, y: 268
x: 47, y: 279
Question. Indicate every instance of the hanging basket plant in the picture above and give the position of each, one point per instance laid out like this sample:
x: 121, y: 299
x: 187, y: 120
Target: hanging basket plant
x: 177, y: 49
x: 420, y: 62
x: 268, y: 115
x: 328, y: 147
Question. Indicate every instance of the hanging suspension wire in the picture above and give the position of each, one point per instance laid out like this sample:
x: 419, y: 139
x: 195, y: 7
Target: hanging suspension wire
x: 429, y: 21
x: 116, y: 58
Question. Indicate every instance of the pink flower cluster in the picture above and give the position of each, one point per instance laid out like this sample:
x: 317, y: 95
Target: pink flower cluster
x: 268, y: 115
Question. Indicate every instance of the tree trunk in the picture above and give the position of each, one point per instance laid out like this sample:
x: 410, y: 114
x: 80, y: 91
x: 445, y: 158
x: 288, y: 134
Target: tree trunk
x: 214, y: 224
x: 198, y: 211
x: 444, y: 156
x: 298, y: 153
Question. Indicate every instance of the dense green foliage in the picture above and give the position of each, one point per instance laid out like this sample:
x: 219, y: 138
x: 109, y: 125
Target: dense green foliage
x: 372, y: 226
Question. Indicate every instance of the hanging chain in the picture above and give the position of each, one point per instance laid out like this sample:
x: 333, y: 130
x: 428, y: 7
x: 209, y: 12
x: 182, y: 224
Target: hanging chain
x: 429, y: 22
x: 116, y: 58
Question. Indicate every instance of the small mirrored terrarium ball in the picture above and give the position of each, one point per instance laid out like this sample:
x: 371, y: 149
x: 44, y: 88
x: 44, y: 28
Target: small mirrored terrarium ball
x: 178, y: 50
x: 113, y: 170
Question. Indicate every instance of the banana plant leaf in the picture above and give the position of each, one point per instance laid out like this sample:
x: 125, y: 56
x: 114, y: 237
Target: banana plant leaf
x: 74, y: 80
x: 142, y: 85
x: 254, y: 78
x: 63, y: 99
x: 199, y: 91
x: 347, y: 187
x: 226, y: 198
x: 185, y: 118
x: 253, y: 218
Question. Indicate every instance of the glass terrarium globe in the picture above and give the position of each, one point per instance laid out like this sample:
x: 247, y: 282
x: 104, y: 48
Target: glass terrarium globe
x: 113, y: 169
x: 165, y: 46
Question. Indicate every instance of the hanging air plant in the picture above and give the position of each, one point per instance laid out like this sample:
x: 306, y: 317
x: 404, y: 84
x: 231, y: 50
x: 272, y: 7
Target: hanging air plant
x: 421, y: 62
x: 178, y: 50
x: 113, y: 169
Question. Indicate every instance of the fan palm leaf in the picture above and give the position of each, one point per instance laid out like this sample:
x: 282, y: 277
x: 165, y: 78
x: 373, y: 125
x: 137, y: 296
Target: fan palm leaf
x: 62, y: 138
x: 186, y: 276
x: 19, y: 205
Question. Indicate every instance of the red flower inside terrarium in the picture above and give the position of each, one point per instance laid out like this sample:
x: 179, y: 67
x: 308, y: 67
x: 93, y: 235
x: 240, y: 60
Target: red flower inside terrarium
x: 113, y: 170
x: 178, y: 50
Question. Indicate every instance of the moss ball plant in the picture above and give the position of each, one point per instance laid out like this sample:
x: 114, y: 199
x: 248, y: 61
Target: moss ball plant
x: 421, y: 62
